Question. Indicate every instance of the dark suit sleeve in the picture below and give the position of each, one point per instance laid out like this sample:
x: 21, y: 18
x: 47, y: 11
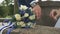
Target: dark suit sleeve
x: 39, y: 2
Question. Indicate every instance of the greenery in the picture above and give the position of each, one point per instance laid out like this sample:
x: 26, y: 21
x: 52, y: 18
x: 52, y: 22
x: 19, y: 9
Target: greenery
x: 6, y: 8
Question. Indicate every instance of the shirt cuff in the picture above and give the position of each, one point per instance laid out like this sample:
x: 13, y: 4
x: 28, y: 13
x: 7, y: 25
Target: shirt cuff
x: 33, y: 3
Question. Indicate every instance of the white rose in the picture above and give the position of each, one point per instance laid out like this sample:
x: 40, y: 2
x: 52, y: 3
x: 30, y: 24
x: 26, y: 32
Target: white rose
x: 23, y: 25
x: 18, y: 23
x: 18, y: 16
x: 23, y: 7
x: 32, y: 17
x: 29, y: 23
x: 26, y: 15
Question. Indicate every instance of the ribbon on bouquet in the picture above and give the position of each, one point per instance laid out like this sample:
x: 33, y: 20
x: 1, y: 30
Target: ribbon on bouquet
x: 10, y: 24
x: 10, y: 29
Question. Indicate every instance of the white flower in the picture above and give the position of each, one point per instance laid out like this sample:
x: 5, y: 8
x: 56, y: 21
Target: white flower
x: 23, y: 25
x: 18, y: 23
x: 32, y: 17
x: 26, y: 15
x: 23, y: 7
x: 29, y: 23
x: 18, y: 16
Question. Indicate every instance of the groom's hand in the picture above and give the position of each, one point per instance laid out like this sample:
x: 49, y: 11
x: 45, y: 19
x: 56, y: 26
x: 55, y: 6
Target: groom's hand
x: 37, y: 11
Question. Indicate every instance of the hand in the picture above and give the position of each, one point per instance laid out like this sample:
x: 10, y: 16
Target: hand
x: 37, y: 11
x: 55, y: 14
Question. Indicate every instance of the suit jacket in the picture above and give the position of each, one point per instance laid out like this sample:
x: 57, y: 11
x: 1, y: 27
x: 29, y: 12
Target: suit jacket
x: 24, y: 2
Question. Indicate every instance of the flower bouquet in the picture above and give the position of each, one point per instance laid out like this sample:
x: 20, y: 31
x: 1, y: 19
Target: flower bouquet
x: 25, y: 18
